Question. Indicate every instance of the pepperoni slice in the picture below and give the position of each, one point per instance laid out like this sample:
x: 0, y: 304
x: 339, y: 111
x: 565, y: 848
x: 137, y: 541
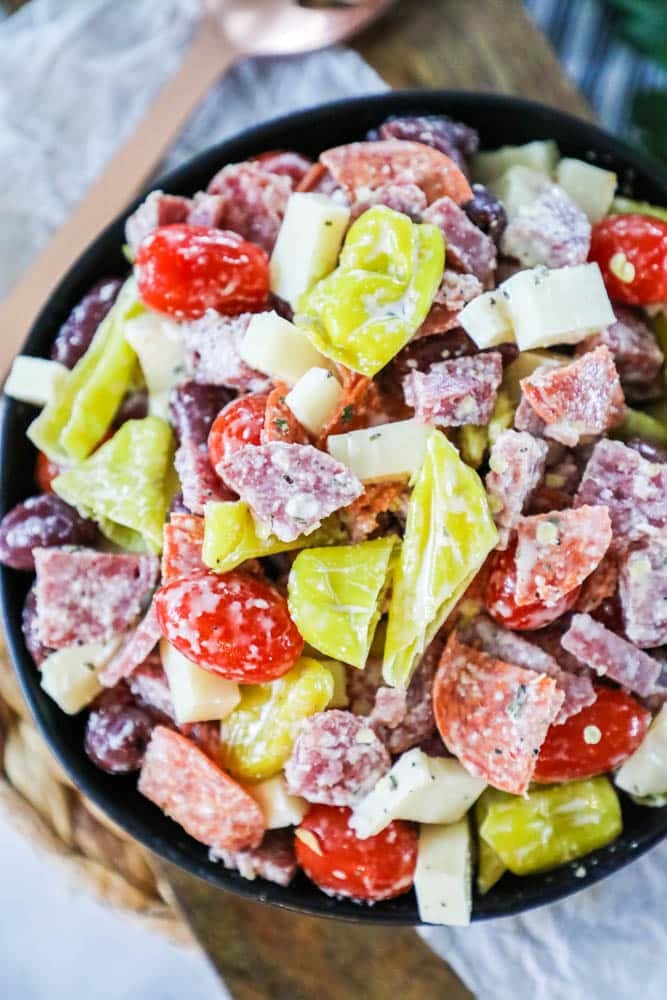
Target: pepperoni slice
x: 493, y: 715
x: 274, y: 859
x: 179, y: 778
x: 371, y: 164
x: 181, y: 551
x: 516, y: 465
x: 199, y: 483
x: 280, y: 424
x: 235, y: 625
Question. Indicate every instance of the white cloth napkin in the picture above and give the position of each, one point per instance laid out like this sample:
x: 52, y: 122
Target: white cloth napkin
x: 75, y: 76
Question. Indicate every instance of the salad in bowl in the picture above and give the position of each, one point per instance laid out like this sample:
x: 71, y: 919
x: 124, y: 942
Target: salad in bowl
x: 349, y: 529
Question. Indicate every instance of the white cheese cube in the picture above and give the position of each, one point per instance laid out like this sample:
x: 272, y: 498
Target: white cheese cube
x: 592, y: 188
x: 560, y: 306
x: 542, y: 154
x: 518, y: 187
x: 418, y: 788
x: 35, y: 380
x: 279, y: 349
x: 157, y: 343
x: 308, y: 243
x: 70, y: 675
x: 339, y: 698
x: 645, y: 771
x: 198, y: 695
x: 314, y: 398
x: 280, y: 809
x: 487, y: 321
x: 389, y: 451
x: 443, y: 876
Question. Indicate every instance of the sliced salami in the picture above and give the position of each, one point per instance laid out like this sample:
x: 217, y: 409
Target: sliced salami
x: 199, y: 483
x: 516, y: 465
x: 149, y: 685
x: 455, y: 393
x: 274, y: 859
x: 140, y: 645
x: 418, y: 722
x: 280, y: 424
x: 457, y: 140
x: 212, y: 357
x: 254, y: 201
x: 88, y: 596
x: 643, y: 592
x: 181, y: 551
x: 611, y: 656
x: 557, y: 551
x: 158, y: 209
x: 285, y: 163
x: 493, y: 715
x: 632, y: 488
x: 580, y: 399
x: 210, y: 806
x: 337, y: 759
x: 406, y: 198
x: 456, y: 290
x: 290, y: 488
x: 636, y: 354
x: 526, y: 419
x: 207, y: 210
x: 550, y: 230
x: 468, y: 248
x: 390, y: 708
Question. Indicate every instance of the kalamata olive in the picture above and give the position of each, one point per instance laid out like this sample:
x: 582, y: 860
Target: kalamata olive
x: 118, y: 731
x: 455, y: 139
x: 610, y: 614
x: 29, y: 627
x: 193, y: 407
x: 649, y: 450
x: 41, y: 522
x: 79, y: 328
x: 486, y: 212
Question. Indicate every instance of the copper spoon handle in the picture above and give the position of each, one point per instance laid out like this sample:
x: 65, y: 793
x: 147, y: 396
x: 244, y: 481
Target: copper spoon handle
x: 123, y: 177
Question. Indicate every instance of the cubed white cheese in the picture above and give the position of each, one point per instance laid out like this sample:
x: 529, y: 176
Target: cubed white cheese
x: 443, y: 874
x: 487, y: 321
x: 35, y: 380
x: 308, y: 243
x: 279, y: 349
x: 518, y: 187
x: 157, y: 343
x: 560, y: 306
x: 542, y: 154
x: 645, y: 772
x: 418, y: 788
x: 592, y: 188
x: 389, y: 451
x: 198, y: 695
x: 279, y: 808
x: 314, y: 398
x: 70, y: 675
x: 339, y: 698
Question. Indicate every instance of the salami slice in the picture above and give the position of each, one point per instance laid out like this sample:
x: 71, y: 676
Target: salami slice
x: 557, y: 551
x: 457, y: 140
x: 610, y: 655
x: 284, y: 163
x: 406, y: 198
x: 456, y: 290
x: 336, y: 760
x: 199, y: 483
x: 181, y: 551
x: 290, y: 488
x: 458, y: 392
x: 140, y: 645
x: 418, y: 722
x: 493, y: 715
x: 158, y: 209
x: 280, y: 424
x: 149, y: 685
x: 88, y: 596
x: 643, y: 592
x: 273, y: 860
x: 210, y: 806
x: 579, y: 399
x: 516, y: 465
x: 468, y: 248
x: 372, y: 164
x: 550, y: 230
x: 632, y: 488
x: 254, y: 201
x: 207, y: 210
x: 526, y: 419
x: 211, y: 345
x: 390, y: 708
x: 636, y: 354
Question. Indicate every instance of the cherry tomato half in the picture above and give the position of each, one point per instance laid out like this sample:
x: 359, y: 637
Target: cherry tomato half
x: 239, y: 424
x: 184, y: 270
x: 595, y: 740
x: 336, y: 860
x: 632, y: 253
x: 235, y: 625
x: 501, y: 597
x: 45, y: 472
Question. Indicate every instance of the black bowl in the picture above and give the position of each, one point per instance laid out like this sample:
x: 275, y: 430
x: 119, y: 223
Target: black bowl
x: 499, y: 120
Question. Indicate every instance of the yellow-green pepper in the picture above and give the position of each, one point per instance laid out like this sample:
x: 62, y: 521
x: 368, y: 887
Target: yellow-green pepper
x: 638, y: 424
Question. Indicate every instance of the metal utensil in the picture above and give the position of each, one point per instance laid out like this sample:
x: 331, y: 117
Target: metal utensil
x: 227, y: 30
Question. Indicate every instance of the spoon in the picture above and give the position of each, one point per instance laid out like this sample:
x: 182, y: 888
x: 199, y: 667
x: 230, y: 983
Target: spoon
x: 228, y: 29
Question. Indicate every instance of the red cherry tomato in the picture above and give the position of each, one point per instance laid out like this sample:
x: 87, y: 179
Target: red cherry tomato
x: 336, y: 860
x: 235, y: 625
x: 632, y: 253
x: 45, y: 472
x: 184, y: 270
x: 595, y: 740
x: 501, y: 600
x: 239, y: 424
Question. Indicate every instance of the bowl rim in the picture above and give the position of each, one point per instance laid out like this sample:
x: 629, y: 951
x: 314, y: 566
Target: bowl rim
x: 392, y: 102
